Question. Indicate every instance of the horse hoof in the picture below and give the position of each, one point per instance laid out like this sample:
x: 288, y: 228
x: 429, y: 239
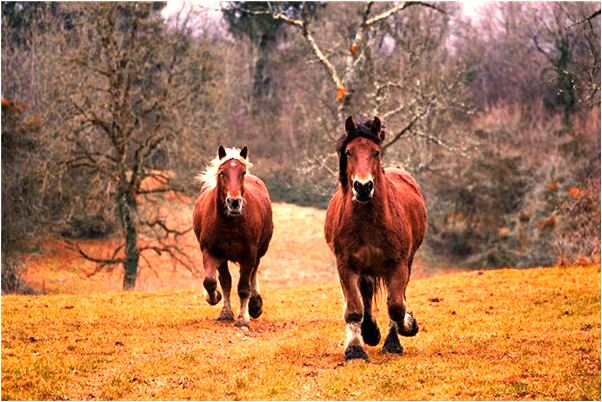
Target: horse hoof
x: 392, y: 344
x: 225, y: 316
x: 215, y: 299
x: 409, y: 327
x: 255, y: 304
x: 355, y: 352
x: 392, y: 348
x: 242, y: 325
x: 370, y: 333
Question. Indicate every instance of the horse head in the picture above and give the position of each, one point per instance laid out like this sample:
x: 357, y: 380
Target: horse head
x: 230, y: 179
x: 360, y: 163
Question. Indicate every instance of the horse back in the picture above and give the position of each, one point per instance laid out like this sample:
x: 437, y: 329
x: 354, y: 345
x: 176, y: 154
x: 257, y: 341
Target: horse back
x: 408, y: 197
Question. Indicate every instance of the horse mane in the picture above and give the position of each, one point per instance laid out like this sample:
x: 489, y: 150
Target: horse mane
x: 208, y: 178
x: 363, y: 130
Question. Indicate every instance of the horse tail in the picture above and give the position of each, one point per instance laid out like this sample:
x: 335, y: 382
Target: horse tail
x: 379, y: 290
x: 374, y: 286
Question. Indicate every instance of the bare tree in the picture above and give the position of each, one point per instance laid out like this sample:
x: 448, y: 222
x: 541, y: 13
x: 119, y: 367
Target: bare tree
x: 567, y: 35
x: 124, y: 85
x: 356, y: 78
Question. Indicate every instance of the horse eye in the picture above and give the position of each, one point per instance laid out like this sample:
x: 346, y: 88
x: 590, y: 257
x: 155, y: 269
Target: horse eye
x: 348, y: 153
x: 377, y: 153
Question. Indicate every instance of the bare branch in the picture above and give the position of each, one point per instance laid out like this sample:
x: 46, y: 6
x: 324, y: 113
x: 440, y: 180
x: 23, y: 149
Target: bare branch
x: 586, y: 19
x: 401, y: 133
x: 167, y: 230
x: 102, y: 262
x: 278, y: 16
x: 175, y: 253
x: 304, y: 26
x: 435, y: 140
x: 334, y: 76
x: 402, y: 6
x: 540, y: 49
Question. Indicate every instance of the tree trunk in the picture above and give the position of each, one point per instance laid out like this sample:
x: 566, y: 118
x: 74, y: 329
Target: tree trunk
x: 127, y: 215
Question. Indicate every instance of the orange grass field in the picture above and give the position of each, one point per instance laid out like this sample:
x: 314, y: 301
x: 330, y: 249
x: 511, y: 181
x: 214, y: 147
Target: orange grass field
x: 503, y: 334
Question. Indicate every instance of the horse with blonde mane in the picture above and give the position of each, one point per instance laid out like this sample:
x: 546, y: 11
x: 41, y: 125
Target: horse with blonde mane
x: 232, y: 220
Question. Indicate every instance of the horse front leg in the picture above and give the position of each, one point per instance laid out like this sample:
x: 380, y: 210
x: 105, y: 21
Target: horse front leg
x: 244, y: 292
x: 354, y: 344
x: 402, y: 322
x: 255, y: 302
x: 370, y: 330
x: 225, y: 280
x: 210, y: 263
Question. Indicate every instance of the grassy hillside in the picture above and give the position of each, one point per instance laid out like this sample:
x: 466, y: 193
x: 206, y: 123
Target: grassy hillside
x: 507, y: 334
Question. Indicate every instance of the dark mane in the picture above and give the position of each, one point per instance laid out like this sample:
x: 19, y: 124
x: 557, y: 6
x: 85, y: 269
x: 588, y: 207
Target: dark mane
x: 363, y: 130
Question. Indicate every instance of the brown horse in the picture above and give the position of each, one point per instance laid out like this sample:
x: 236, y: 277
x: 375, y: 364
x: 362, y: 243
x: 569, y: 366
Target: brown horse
x: 375, y: 222
x: 232, y: 221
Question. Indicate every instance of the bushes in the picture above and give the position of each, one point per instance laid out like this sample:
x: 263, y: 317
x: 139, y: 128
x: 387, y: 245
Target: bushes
x: 527, y: 194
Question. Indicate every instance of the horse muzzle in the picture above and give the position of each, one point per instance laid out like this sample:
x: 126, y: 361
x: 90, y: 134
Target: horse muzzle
x: 363, y: 192
x: 234, y: 206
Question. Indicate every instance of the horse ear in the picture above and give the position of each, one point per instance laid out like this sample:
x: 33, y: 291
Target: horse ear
x: 221, y: 152
x: 349, y: 125
x: 244, y: 152
x: 375, y: 127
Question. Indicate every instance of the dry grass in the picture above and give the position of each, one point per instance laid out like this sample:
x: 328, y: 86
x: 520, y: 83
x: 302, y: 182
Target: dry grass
x: 507, y: 334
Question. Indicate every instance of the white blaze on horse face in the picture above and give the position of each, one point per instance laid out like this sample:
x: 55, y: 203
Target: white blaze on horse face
x: 354, y: 335
x: 234, y: 195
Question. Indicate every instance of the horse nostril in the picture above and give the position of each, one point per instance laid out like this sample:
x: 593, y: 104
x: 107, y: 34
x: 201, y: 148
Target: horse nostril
x: 363, y: 188
x: 233, y: 203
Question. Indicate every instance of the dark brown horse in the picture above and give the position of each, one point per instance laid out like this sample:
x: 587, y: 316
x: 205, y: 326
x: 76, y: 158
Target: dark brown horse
x: 375, y: 222
x: 232, y: 221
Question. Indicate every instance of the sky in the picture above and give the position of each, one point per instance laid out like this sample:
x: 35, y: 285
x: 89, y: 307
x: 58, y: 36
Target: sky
x: 212, y: 7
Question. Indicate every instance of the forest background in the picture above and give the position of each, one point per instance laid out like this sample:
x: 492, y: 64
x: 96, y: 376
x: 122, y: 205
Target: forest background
x: 107, y: 107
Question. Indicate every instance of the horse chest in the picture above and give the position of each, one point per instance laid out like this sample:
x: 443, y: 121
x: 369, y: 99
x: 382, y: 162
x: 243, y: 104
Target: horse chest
x: 229, y: 244
x: 370, y: 249
x: 367, y: 256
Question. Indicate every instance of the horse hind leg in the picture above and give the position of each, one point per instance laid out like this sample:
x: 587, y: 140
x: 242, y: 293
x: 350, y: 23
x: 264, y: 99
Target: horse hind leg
x: 409, y: 328
x: 255, y: 301
x: 392, y: 344
x: 225, y: 280
x: 410, y: 325
x: 370, y: 330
